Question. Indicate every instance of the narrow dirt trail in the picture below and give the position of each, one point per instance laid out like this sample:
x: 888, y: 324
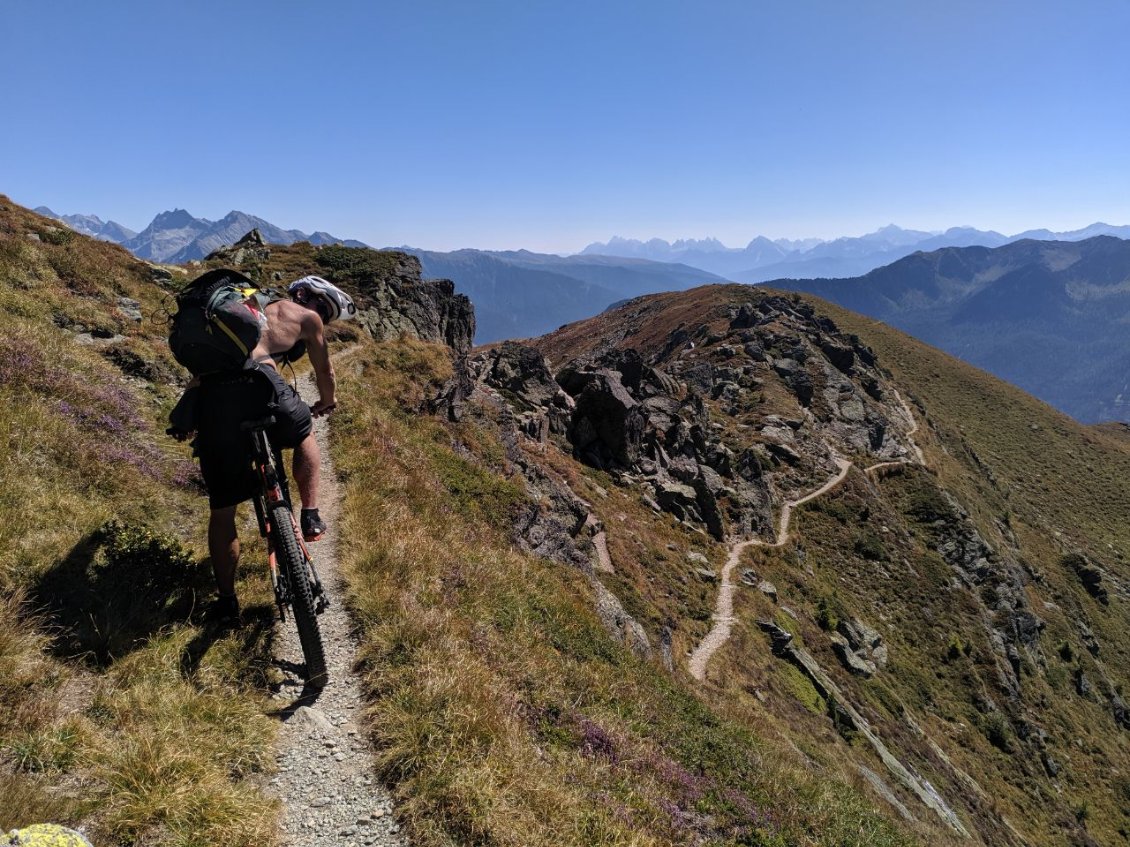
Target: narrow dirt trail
x: 325, y: 778
x: 724, y: 609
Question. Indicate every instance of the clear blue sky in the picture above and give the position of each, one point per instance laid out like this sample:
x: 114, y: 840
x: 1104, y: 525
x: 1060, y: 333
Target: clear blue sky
x: 547, y: 125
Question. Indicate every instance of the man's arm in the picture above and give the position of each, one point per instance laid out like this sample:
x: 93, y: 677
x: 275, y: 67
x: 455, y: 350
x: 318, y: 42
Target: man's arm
x: 313, y: 333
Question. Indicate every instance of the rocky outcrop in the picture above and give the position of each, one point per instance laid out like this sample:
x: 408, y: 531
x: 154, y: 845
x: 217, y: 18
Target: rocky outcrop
x: 859, y: 647
x: 400, y: 301
x: 845, y: 714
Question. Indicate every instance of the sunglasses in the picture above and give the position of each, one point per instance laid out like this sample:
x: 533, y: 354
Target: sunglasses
x: 318, y: 304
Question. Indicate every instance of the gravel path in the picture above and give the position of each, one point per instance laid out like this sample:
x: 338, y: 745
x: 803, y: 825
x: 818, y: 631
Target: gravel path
x: 724, y: 610
x: 325, y: 778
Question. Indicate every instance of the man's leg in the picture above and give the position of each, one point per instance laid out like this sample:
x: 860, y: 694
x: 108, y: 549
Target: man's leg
x: 308, y: 471
x: 223, y: 546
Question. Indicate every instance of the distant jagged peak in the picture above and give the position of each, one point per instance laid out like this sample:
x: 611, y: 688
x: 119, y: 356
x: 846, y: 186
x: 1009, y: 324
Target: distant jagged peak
x: 177, y: 219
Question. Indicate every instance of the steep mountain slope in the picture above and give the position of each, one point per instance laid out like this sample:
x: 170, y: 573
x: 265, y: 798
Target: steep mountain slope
x: 1046, y: 316
x: 120, y: 707
x: 123, y: 707
x: 992, y: 576
x: 929, y: 649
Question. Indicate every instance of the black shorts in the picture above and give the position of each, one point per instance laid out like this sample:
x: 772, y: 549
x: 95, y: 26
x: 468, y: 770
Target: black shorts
x: 225, y: 402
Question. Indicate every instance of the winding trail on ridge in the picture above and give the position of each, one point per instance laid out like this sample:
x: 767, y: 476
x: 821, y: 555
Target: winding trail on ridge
x: 724, y: 609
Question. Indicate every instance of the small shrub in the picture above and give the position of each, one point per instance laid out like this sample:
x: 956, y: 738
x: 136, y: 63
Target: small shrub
x: 957, y: 647
x: 871, y: 548
x: 826, y: 618
x: 998, y: 730
x: 1066, y: 651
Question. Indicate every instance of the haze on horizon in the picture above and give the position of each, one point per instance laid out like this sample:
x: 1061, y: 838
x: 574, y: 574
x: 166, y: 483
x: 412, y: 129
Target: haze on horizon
x: 511, y: 124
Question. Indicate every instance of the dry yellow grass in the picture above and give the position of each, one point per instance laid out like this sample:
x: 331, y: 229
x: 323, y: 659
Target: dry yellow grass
x: 120, y: 710
x: 502, y: 712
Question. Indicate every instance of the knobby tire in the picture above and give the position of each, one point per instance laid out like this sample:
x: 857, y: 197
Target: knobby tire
x: 292, y: 565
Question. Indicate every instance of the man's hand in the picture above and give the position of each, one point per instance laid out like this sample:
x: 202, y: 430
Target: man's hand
x: 322, y: 408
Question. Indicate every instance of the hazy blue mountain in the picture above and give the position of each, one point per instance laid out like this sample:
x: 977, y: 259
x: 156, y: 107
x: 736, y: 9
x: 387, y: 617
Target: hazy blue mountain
x: 520, y: 294
x: 166, y: 234
x: 513, y: 301
x: 624, y: 276
x: 708, y: 253
x: 92, y: 225
x: 763, y: 259
x: 1048, y: 316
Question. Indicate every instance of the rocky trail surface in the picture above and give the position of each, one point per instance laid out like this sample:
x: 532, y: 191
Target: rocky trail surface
x: 326, y: 779
x: 724, y: 609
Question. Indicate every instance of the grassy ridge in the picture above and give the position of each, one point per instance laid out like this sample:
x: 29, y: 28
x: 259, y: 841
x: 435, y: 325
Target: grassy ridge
x: 119, y: 709
x: 502, y: 711
x: 1041, y: 755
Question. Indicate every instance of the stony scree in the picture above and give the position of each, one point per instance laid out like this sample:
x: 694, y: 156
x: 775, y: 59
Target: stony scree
x: 326, y: 779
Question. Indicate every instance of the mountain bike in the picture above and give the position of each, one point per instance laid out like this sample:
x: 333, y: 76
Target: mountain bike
x: 293, y: 575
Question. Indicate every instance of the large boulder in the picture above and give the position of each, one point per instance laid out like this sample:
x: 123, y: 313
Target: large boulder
x: 607, y: 425
x: 522, y: 372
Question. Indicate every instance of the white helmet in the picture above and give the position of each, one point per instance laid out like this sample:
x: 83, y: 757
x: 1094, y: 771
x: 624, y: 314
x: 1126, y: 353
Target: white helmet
x: 338, y: 303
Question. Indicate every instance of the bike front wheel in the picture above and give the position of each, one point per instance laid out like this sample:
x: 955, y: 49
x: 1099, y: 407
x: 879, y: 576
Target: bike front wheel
x: 294, y: 570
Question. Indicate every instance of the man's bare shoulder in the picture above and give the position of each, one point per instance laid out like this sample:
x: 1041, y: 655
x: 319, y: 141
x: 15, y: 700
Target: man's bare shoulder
x: 287, y: 308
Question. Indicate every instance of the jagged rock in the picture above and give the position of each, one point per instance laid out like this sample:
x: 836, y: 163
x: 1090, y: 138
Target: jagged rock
x: 768, y: 589
x: 1089, y: 575
x: 1089, y: 640
x: 842, y: 356
x: 453, y: 395
x: 607, y: 424
x: 400, y: 301
x: 666, y: 637
x: 745, y: 318
x: 619, y: 622
x: 706, y: 575
x: 858, y: 634
x: 522, y: 371
x: 749, y: 577
x: 252, y: 238
x: 1082, y: 684
x: 1050, y: 764
x: 698, y: 559
x: 779, y: 637
x: 700, y: 377
x: 679, y: 500
x: 650, y: 503
x: 850, y: 659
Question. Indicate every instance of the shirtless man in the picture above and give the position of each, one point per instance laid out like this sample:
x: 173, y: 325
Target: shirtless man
x: 293, y: 328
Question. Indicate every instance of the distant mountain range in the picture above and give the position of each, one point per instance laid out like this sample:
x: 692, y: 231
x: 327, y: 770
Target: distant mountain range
x: 177, y: 236
x: 1048, y: 316
x: 519, y: 294
x: 763, y: 259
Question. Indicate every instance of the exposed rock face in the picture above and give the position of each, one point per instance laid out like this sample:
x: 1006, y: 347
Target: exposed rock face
x: 403, y: 302
x: 650, y: 421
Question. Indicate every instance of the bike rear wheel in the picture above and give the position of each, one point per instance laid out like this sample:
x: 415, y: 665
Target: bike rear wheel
x: 293, y: 569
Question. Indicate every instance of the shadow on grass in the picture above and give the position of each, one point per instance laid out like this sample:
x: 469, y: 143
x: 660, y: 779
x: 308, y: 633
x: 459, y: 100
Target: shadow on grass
x: 254, y: 634
x: 116, y: 588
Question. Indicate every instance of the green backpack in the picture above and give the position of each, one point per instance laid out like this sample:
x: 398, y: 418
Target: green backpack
x: 219, y: 319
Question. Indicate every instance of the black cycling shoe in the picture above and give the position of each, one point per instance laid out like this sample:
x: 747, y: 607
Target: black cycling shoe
x: 313, y: 527
x: 225, y: 610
